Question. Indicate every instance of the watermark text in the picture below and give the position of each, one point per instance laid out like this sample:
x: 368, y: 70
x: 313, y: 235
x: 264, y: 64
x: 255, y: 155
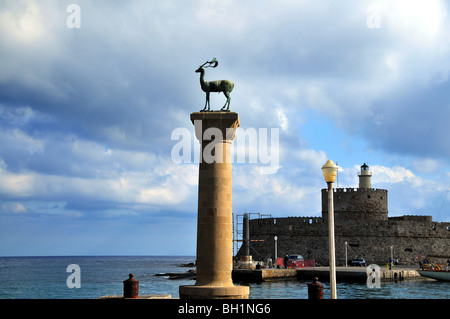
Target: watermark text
x: 373, y: 276
x: 73, y: 21
x: 251, y: 145
x: 74, y: 279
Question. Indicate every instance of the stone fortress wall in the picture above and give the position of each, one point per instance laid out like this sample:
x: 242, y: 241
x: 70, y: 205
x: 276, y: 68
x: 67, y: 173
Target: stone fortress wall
x: 361, y: 220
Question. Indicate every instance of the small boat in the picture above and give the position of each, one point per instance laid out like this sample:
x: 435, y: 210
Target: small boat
x: 438, y: 273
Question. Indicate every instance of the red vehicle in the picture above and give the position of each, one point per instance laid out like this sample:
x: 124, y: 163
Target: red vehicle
x: 294, y: 261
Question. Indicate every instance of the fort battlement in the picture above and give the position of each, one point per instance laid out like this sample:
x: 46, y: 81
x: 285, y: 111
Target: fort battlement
x: 353, y: 189
x: 413, y: 218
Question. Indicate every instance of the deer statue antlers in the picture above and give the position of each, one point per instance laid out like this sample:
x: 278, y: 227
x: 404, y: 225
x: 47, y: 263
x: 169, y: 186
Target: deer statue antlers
x: 224, y: 86
x: 211, y: 64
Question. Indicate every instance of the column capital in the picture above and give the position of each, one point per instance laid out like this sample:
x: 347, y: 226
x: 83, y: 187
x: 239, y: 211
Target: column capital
x: 224, y: 116
x: 226, y: 122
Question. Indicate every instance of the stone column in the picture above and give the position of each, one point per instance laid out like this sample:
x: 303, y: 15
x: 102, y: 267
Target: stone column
x: 215, y: 131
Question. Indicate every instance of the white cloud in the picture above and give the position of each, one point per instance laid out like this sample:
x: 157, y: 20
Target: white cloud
x: 13, y: 207
x: 25, y: 23
x: 163, y: 185
x: 416, y: 22
x: 17, y: 185
x: 311, y: 159
x: 392, y: 175
x: 426, y: 165
x: 282, y: 119
x: 26, y: 142
x: 258, y: 192
x: 221, y: 15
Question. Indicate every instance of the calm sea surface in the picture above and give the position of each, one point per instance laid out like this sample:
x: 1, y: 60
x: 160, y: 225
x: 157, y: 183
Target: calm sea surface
x: 46, y: 277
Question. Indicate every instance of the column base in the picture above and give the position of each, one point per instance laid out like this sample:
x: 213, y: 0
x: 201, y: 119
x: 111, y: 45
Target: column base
x: 245, y: 262
x: 211, y: 292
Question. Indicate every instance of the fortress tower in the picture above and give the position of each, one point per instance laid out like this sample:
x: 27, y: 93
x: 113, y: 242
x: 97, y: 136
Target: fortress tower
x: 363, y: 203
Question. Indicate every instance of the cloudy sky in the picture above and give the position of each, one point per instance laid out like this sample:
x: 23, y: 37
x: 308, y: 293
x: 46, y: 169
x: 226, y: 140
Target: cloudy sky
x: 89, y: 100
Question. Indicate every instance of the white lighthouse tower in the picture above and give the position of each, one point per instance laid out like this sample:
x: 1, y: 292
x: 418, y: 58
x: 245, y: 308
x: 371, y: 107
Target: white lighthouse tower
x: 365, y: 176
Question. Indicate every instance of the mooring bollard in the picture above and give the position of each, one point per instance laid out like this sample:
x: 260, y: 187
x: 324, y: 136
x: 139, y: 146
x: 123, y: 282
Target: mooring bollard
x: 315, y: 290
x: 131, y: 287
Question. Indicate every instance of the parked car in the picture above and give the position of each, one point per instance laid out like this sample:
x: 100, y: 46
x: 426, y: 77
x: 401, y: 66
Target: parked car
x: 295, y: 257
x: 296, y: 261
x: 358, y: 262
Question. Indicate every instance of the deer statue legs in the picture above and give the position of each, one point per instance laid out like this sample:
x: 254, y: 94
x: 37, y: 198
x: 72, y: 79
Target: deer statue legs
x: 206, y: 103
x: 227, y: 103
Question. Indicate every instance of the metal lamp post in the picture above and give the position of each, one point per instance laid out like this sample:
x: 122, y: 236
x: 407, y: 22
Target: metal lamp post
x: 346, y: 254
x: 329, y: 173
x: 391, y: 266
x: 275, y: 239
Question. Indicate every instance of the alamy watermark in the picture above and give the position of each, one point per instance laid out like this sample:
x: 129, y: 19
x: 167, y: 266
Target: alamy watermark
x: 251, y: 145
x: 74, y: 279
x: 373, y: 276
x: 73, y: 21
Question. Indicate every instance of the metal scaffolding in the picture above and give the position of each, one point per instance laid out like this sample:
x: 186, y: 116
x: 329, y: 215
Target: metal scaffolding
x: 238, y: 232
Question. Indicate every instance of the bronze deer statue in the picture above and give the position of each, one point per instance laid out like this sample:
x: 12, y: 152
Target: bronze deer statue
x: 224, y: 86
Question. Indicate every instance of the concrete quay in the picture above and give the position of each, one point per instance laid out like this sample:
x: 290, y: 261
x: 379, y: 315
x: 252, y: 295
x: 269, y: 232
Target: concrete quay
x: 343, y: 274
x: 259, y: 275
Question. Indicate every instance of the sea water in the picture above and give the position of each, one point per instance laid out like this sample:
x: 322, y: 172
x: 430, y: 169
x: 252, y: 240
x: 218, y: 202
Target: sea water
x: 46, y: 278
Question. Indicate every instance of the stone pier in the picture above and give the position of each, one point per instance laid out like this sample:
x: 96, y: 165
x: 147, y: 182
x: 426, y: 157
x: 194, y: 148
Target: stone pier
x: 215, y: 131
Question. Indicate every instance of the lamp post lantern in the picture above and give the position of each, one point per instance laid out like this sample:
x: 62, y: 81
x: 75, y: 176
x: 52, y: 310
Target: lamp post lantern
x: 329, y: 170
